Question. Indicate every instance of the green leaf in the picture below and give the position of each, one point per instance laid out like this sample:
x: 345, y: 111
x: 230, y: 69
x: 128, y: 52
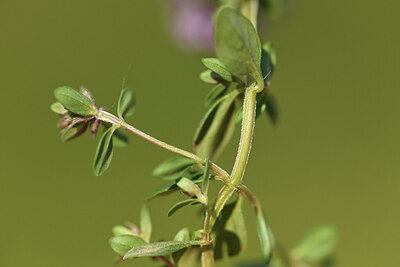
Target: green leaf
x: 207, y: 76
x: 182, y: 235
x: 120, y: 139
x: 191, y: 189
x: 121, y: 230
x: 180, y: 205
x: 237, y: 43
x: 318, y: 245
x: 122, y: 244
x: 216, y: 66
x: 230, y: 230
x: 236, y: 225
x: 272, y: 109
x: 206, y: 177
x: 126, y: 104
x: 216, y: 127
x: 145, y: 223
x: 171, y: 186
x: 264, y: 236
x: 58, y: 108
x: 74, y: 130
x: 268, y: 60
x: 75, y: 101
x: 104, y: 152
x: 215, y: 93
x: 161, y: 248
x: 172, y: 166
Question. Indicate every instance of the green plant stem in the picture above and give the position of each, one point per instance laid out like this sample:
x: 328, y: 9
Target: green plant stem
x: 110, y: 118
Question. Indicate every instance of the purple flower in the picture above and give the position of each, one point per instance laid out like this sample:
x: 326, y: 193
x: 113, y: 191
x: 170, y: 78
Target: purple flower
x: 192, y: 23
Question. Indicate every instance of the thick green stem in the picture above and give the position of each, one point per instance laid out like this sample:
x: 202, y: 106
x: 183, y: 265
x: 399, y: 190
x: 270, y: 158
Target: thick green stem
x: 110, y: 118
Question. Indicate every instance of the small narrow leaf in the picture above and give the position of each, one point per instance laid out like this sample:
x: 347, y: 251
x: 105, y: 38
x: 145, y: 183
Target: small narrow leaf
x: 206, y: 177
x: 208, y: 77
x: 161, y: 248
x: 75, y: 101
x: 121, y: 244
x: 215, y: 93
x: 171, y: 186
x: 73, y: 131
x: 145, y: 223
x: 104, y: 152
x: 237, y: 43
x: 180, y: 205
x: 264, y: 236
x: 216, y: 66
x: 317, y: 246
x: 58, y: 108
x: 191, y: 189
x: 216, y: 127
x: 126, y: 104
x: 172, y: 166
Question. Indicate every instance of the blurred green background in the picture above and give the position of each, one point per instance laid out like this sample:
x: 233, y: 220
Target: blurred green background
x: 332, y: 159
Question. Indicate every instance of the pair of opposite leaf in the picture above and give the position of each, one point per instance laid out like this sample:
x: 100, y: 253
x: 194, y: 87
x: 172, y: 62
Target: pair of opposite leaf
x: 78, y: 112
x: 241, y: 61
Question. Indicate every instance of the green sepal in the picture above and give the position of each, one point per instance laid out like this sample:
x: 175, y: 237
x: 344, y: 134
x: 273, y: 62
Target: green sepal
x: 126, y: 103
x: 161, y: 248
x: 104, y: 152
x: 265, y: 237
x: 122, y: 244
x: 75, y: 101
x: 216, y: 66
x: 58, y: 108
x: 172, y: 166
x: 237, y: 43
x: 317, y: 246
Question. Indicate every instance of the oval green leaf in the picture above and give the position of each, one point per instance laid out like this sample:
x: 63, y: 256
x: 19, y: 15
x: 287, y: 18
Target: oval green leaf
x: 161, y: 248
x: 180, y: 205
x: 237, y: 43
x: 104, y: 152
x: 75, y: 101
x: 126, y: 104
x: 122, y: 244
x: 216, y: 66
x: 265, y: 237
x: 58, y: 108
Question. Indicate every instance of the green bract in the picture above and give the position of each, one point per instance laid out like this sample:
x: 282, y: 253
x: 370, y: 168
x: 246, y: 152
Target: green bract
x: 74, y: 101
x: 237, y: 43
